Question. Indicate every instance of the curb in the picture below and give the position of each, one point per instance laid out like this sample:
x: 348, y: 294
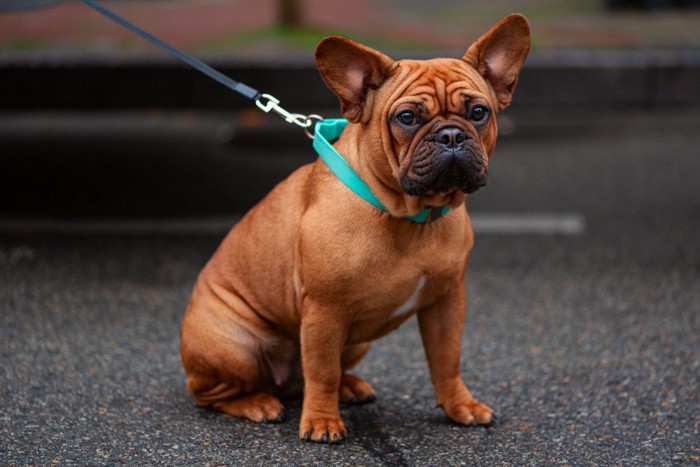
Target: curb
x: 576, y: 78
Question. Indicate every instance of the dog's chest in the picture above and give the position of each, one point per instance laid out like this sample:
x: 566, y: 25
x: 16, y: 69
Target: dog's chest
x: 392, y: 306
x: 378, y: 274
x: 411, y: 303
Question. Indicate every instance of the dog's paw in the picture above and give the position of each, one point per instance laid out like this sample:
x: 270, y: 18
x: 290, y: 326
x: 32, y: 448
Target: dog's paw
x: 259, y: 407
x: 354, y: 390
x: 323, y: 430
x: 471, y: 413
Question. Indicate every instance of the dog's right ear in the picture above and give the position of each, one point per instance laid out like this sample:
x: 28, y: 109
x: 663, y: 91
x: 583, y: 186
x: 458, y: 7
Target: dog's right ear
x: 352, y: 71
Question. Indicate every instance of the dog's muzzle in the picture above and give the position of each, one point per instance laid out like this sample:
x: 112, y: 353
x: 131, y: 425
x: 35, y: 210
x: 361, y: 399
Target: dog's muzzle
x: 446, y: 159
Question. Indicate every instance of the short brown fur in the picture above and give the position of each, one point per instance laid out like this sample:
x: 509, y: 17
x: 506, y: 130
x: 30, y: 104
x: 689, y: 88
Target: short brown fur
x: 299, y: 288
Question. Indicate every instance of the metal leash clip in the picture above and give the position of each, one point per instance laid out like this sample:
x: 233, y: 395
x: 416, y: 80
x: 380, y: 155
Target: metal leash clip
x: 304, y: 121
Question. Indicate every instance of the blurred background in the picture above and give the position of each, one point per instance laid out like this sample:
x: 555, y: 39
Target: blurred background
x: 75, y: 85
x: 121, y: 169
x: 277, y: 28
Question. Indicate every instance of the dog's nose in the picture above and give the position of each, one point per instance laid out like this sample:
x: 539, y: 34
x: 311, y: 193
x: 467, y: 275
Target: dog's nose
x: 451, y: 137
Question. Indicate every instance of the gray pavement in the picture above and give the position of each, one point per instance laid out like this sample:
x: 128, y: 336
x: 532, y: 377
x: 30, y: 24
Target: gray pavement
x: 588, y: 346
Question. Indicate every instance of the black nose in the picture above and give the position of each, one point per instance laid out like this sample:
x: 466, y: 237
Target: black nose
x: 451, y: 137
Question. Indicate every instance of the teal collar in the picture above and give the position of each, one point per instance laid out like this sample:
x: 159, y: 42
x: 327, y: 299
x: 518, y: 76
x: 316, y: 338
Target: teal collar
x: 328, y: 131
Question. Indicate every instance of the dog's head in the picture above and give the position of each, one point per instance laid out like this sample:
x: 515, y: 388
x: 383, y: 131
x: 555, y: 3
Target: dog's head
x: 433, y: 120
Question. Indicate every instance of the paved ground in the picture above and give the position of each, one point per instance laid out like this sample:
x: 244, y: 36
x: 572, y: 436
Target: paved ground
x: 588, y: 346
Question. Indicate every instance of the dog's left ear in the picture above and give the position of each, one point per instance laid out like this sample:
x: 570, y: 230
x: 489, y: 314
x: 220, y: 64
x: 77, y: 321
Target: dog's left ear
x: 352, y: 71
x: 499, y: 54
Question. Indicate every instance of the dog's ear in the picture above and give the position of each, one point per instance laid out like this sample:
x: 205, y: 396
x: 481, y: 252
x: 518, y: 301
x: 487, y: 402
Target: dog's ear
x: 499, y: 54
x: 352, y: 71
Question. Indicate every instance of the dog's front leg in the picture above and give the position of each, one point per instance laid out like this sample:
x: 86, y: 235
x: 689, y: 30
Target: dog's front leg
x: 441, y: 331
x: 323, y: 334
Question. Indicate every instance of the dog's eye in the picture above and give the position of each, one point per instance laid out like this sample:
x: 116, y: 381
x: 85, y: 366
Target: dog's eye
x: 479, y: 114
x: 407, y: 117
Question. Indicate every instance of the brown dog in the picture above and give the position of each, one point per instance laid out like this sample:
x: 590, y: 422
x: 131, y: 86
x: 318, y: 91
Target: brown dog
x: 312, y: 274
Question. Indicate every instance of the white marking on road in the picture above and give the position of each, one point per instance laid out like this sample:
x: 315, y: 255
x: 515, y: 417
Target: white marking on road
x: 412, y: 300
x: 528, y: 223
x: 196, y: 226
x: 483, y: 223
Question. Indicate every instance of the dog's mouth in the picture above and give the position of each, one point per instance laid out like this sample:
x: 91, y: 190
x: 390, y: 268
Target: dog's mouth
x: 444, y: 181
x: 444, y: 162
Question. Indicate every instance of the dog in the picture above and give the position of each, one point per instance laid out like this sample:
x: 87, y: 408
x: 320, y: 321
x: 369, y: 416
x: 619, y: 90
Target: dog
x: 298, y: 289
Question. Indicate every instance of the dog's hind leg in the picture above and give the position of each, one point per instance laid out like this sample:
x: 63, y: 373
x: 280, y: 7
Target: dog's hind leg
x: 225, y: 369
x: 354, y: 390
x: 257, y: 406
x: 234, y: 398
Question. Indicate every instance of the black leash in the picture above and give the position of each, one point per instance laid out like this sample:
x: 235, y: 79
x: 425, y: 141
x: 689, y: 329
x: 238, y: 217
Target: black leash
x: 241, y: 88
x: 265, y: 102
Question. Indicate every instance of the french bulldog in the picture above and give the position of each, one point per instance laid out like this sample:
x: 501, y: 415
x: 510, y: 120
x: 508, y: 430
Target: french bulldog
x: 311, y: 275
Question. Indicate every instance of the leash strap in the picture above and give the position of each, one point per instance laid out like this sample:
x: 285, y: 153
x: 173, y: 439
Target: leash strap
x: 241, y: 88
x: 330, y: 130
x: 325, y: 131
x: 265, y: 102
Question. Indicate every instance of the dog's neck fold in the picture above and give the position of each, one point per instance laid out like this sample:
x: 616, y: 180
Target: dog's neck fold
x: 354, y: 145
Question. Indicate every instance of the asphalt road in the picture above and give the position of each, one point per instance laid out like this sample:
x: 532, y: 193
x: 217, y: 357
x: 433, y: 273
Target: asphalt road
x: 588, y: 346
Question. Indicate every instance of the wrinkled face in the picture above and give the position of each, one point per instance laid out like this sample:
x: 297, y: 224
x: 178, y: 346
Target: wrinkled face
x: 442, y: 124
